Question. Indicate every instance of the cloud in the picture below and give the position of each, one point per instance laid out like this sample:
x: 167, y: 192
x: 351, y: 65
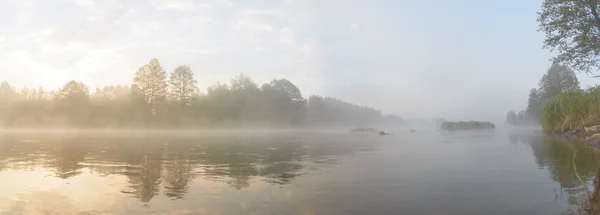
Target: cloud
x: 87, y: 4
x: 250, y: 26
x: 104, y: 42
x: 181, y: 5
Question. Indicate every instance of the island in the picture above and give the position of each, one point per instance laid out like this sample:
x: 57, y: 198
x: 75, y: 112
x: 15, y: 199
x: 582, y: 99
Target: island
x: 467, y: 125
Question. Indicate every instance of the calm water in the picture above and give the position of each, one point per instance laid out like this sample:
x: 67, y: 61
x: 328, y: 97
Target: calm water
x: 291, y: 173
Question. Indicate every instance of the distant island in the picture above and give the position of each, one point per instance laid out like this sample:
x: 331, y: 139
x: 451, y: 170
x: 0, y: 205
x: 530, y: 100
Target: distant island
x: 467, y: 125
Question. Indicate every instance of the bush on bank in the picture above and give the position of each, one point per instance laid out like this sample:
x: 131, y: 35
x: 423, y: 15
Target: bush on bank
x: 572, y: 109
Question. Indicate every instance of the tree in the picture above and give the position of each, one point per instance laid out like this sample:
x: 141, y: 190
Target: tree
x: 284, y: 101
x: 557, y: 79
x: 73, y: 93
x: 572, y: 27
x: 246, y: 98
x: 219, y: 102
x: 511, y: 118
x: 150, y: 85
x: 521, y: 118
x: 73, y: 102
x: 182, y: 86
x: 534, y: 108
x: 7, y: 92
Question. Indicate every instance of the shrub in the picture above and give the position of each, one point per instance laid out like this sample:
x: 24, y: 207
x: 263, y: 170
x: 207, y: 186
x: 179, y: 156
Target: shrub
x: 571, y: 109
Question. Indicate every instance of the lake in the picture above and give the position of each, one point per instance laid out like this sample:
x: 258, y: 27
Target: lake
x: 292, y: 172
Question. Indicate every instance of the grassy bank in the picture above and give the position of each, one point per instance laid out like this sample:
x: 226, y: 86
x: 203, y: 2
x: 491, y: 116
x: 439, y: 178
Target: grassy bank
x: 572, y: 110
x: 467, y: 125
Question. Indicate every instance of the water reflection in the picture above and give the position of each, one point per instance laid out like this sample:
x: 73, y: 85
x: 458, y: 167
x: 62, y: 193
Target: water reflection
x: 168, y: 165
x: 565, y: 160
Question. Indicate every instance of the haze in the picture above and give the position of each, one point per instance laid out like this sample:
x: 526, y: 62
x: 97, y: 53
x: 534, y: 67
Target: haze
x: 454, y: 59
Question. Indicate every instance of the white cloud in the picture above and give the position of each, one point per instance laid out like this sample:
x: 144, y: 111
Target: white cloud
x: 155, y: 26
x: 255, y: 12
x: 251, y: 26
x: 114, y: 40
x: 87, y: 4
x: 354, y: 26
x: 287, y: 36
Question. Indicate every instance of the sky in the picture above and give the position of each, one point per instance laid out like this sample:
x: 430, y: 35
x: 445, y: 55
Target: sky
x: 462, y: 59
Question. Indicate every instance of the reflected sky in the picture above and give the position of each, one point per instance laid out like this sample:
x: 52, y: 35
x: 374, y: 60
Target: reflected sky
x: 291, y: 173
x: 100, y: 174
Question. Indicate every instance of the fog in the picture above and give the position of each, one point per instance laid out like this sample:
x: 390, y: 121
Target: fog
x: 395, y: 57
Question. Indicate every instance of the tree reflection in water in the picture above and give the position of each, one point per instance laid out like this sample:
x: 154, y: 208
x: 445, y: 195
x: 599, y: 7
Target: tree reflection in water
x: 556, y: 155
x: 167, y: 165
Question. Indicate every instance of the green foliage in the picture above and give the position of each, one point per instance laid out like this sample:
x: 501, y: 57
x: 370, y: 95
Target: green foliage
x: 467, y: 125
x: 572, y: 28
x: 572, y: 109
x: 557, y: 79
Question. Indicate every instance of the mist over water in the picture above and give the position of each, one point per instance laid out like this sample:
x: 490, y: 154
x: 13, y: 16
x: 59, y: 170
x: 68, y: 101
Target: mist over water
x: 294, y: 172
x: 224, y: 107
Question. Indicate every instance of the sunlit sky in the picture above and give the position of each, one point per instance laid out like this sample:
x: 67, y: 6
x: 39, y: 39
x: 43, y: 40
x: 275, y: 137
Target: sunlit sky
x: 463, y: 59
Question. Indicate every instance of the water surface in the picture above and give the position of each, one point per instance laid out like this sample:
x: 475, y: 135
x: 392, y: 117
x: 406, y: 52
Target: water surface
x: 426, y: 172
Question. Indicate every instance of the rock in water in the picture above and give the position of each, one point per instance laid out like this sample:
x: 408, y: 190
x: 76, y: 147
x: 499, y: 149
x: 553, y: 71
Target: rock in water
x: 594, y: 140
x: 592, y: 129
x: 569, y: 134
x: 382, y: 133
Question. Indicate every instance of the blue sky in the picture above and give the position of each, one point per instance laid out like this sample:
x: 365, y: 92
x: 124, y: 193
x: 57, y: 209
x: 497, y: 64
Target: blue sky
x: 462, y: 59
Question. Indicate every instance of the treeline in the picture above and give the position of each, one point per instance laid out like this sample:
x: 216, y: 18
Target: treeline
x: 160, y: 99
x: 558, y: 79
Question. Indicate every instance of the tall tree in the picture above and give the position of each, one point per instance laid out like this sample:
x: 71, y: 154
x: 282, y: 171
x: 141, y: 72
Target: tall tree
x: 73, y: 94
x: 284, y: 100
x: 511, y: 118
x: 73, y: 102
x: 557, y: 79
x: 246, y: 98
x: 150, y: 85
x: 521, y: 118
x: 572, y: 28
x: 182, y: 86
x: 534, y: 107
x: 7, y: 91
x: 220, y: 103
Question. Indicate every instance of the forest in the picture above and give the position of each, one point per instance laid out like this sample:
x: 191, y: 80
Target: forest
x: 157, y: 99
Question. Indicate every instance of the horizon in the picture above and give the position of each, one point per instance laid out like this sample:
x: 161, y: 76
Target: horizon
x: 394, y: 59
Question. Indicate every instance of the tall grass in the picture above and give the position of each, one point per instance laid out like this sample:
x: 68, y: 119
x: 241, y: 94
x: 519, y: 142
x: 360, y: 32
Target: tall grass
x: 571, y: 110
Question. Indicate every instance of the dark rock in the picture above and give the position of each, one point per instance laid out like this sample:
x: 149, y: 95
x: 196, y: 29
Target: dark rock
x: 412, y: 130
x: 593, y: 140
x: 569, y: 134
x: 361, y: 129
x: 383, y: 133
